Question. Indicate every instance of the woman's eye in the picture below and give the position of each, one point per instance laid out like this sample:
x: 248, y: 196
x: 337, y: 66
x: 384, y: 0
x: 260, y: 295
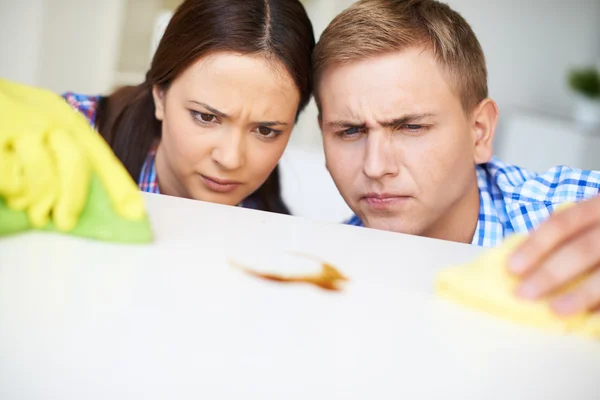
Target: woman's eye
x: 207, y: 117
x: 203, y: 117
x: 263, y: 130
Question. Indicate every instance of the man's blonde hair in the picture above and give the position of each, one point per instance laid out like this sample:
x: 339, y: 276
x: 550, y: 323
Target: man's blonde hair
x: 375, y: 27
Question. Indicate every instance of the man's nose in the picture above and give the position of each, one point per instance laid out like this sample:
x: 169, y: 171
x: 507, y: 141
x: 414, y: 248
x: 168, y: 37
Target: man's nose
x: 379, y: 158
x: 230, y: 151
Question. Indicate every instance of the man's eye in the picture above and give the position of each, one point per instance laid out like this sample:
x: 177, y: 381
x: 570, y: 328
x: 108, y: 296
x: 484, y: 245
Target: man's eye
x: 351, y: 131
x: 413, y: 127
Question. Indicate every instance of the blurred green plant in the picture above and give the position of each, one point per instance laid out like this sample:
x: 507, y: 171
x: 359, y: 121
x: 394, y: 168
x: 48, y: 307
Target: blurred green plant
x: 585, y: 81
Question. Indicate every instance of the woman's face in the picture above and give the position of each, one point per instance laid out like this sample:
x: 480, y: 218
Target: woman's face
x: 225, y: 123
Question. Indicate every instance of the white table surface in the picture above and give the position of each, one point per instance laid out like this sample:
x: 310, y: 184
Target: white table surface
x: 88, y: 320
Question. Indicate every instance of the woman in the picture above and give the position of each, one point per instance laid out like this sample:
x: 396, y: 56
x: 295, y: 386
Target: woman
x: 215, y: 113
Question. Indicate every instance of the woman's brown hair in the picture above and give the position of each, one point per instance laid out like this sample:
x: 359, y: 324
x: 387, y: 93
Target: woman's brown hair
x: 278, y: 29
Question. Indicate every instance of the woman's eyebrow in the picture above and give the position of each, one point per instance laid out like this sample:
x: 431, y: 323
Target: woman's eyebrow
x: 223, y: 115
x: 271, y: 123
x: 211, y: 109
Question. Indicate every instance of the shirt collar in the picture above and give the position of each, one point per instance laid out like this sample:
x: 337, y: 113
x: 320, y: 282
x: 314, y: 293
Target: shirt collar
x: 489, y: 231
x: 148, y: 180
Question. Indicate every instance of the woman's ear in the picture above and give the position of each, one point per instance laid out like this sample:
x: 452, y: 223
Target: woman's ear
x: 159, y: 102
x: 484, y: 121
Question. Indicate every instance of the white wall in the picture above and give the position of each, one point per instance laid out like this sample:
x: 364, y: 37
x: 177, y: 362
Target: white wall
x: 80, y: 44
x: 530, y: 45
x: 61, y: 44
x: 136, y: 37
x: 20, y: 39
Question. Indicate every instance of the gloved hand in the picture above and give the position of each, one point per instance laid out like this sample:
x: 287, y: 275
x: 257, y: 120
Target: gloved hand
x: 49, y: 157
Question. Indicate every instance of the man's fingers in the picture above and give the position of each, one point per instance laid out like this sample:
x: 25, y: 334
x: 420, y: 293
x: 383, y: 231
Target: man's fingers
x: 568, y: 262
x: 584, y: 297
x: 74, y: 176
x: 560, y: 227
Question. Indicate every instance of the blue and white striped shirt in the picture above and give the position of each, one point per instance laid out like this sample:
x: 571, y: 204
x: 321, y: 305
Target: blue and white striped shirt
x: 515, y: 200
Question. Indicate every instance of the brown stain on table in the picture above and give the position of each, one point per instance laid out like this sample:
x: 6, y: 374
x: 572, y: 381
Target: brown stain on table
x: 328, y: 278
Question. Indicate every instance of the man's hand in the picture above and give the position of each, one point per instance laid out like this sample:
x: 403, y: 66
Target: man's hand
x: 564, y: 250
x: 48, y: 152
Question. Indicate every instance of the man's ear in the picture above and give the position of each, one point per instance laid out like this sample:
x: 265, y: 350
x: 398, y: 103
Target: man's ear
x: 159, y: 102
x: 484, y: 121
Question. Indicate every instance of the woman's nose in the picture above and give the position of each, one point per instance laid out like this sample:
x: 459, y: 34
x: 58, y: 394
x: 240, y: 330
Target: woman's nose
x: 229, y: 153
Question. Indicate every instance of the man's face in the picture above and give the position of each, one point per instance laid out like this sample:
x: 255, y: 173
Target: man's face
x: 398, y: 143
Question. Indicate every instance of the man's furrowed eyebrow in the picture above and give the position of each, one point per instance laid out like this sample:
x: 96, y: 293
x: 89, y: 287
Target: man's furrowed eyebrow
x: 211, y: 109
x: 405, y: 119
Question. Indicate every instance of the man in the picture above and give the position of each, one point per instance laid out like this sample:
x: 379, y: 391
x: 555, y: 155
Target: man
x: 401, y: 87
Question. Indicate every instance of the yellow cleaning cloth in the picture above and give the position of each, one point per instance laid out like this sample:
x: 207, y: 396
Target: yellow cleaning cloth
x: 487, y: 285
x: 54, y: 167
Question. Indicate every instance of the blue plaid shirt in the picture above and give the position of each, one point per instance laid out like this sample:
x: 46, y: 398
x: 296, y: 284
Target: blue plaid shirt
x: 515, y: 200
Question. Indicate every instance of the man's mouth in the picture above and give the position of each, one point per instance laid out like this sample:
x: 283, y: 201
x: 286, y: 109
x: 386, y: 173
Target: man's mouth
x: 382, y: 201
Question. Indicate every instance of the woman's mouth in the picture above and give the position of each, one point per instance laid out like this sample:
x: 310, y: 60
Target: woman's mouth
x: 219, y: 185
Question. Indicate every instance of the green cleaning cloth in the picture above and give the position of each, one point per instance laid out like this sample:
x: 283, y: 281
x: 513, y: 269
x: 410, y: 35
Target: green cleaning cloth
x: 97, y: 220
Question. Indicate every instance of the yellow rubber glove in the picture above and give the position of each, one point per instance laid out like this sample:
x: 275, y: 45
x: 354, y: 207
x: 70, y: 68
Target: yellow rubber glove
x: 74, y: 171
x: 48, y: 152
